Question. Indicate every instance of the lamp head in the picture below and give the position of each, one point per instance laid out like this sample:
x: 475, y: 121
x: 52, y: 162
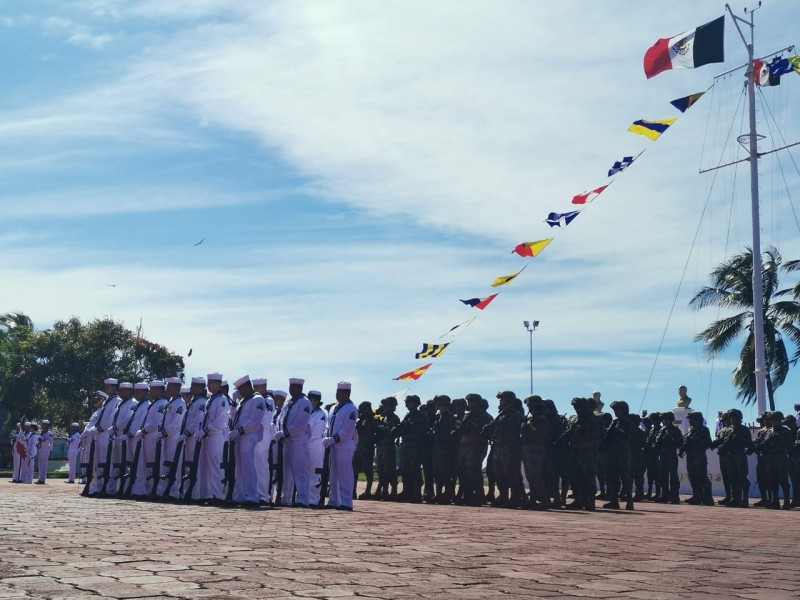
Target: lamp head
x: 526, y: 324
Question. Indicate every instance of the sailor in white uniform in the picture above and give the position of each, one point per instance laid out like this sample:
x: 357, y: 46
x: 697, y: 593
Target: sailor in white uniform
x: 195, y: 413
x: 120, y: 447
x: 150, y: 434
x: 245, y: 434
x: 16, y: 439
x: 262, y: 447
x: 341, y: 438
x: 293, y: 430
x: 316, y: 452
x: 31, y: 450
x: 213, y: 435
x: 172, y: 441
x: 133, y: 467
x: 104, y: 428
x: 87, y: 435
x: 45, y: 448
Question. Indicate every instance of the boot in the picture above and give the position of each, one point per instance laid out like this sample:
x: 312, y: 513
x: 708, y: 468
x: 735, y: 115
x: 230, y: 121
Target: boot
x: 614, y: 505
x: 629, y: 505
x: 787, y: 505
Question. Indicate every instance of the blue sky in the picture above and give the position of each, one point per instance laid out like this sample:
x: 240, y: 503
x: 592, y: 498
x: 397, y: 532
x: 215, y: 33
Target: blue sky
x: 355, y: 168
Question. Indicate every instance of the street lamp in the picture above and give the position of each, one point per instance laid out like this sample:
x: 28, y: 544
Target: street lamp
x: 530, y: 327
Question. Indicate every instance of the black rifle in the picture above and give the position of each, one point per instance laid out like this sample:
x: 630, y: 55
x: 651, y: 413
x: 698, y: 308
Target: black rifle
x: 192, y: 473
x: 230, y: 470
x: 87, y: 469
x: 172, y: 474
x: 273, y: 468
x: 130, y: 478
x: 155, y: 468
x: 324, y: 479
x: 107, y: 467
x: 122, y: 465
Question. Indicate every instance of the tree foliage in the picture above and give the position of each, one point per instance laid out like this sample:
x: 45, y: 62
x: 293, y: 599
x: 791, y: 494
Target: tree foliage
x: 732, y: 289
x: 52, y: 373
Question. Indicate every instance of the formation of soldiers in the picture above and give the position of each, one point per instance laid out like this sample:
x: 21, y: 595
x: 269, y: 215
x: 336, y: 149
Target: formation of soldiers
x: 253, y: 448
x: 621, y: 458
x: 258, y: 447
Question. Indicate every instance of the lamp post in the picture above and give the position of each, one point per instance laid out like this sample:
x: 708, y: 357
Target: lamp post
x: 530, y: 327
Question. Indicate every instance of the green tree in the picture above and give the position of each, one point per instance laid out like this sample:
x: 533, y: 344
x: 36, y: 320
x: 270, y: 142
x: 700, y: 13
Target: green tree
x: 732, y: 289
x: 53, y: 373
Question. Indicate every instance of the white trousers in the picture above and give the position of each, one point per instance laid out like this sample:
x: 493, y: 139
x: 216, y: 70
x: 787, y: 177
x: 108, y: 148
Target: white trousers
x: 246, y: 487
x: 26, y: 469
x: 117, y: 460
x: 168, y: 447
x: 210, y: 473
x: 295, y: 471
x: 44, y: 463
x: 99, y: 469
x: 316, y: 457
x: 147, y: 476
x: 342, y: 477
x: 188, y: 456
x: 16, y: 459
x: 262, y: 469
x: 73, y: 457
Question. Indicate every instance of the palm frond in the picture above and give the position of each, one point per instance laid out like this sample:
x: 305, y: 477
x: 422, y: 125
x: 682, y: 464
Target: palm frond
x: 720, y: 334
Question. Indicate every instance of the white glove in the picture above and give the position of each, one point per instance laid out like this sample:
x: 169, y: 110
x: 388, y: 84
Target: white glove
x: 139, y: 433
x: 233, y: 434
x: 279, y: 435
x: 122, y: 437
x: 328, y: 442
x: 180, y: 438
x: 199, y: 434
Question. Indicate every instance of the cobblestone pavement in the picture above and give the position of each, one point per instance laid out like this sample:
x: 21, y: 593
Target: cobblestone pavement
x: 55, y: 544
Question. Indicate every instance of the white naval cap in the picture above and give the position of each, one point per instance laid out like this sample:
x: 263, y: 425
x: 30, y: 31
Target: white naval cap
x: 27, y: 423
x: 316, y: 393
x: 185, y: 391
x: 74, y: 424
x: 224, y: 382
x: 111, y: 381
x: 343, y: 385
x: 198, y: 380
x: 140, y: 386
x: 260, y: 381
x: 99, y: 394
x: 214, y: 377
x: 296, y: 381
x: 280, y: 393
x: 157, y: 383
x: 126, y: 385
x: 45, y: 422
x: 235, y: 395
x: 174, y: 380
x: 241, y: 381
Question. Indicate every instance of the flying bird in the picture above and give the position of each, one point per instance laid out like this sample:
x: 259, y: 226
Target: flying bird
x: 200, y: 242
x: 112, y: 284
x: 190, y: 352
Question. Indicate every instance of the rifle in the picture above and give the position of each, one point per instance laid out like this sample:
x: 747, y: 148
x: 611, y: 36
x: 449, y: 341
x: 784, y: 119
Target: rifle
x: 155, y: 468
x: 193, y: 466
x: 121, y: 465
x: 324, y: 479
x: 172, y: 474
x: 273, y: 468
x: 107, y: 467
x: 130, y: 479
x: 87, y: 469
x: 230, y: 470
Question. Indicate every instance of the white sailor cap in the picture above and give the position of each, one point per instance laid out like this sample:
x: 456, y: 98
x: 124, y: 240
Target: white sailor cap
x: 214, y: 376
x: 260, y: 381
x: 99, y: 394
x: 110, y: 381
x: 198, y: 380
x: 45, y: 422
x: 157, y: 383
x: 241, y: 381
x: 280, y: 393
x: 126, y: 385
x: 140, y: 386
x: 296, y: 381
x: 174, y: 380
x: 315, y: 393
x: 74, y: 425
x: 224, y: 382
x: 185, y: 391
x: 235, y: 395
x: 27, y: 423
x: 343, y: 385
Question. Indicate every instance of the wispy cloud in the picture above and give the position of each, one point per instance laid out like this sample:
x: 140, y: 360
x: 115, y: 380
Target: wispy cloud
x: 76, y: 34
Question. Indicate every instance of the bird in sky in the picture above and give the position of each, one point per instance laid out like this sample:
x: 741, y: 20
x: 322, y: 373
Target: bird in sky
x: 112, y: 284
x: 200, y: 242
x: 190, y: 352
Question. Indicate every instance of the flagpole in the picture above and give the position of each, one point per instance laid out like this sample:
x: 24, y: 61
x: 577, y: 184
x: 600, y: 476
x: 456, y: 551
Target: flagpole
x: 758, y: 288
x: 531, y: 326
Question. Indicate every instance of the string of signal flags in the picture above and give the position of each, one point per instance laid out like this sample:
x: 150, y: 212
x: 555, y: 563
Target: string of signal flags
x: 694, y: 48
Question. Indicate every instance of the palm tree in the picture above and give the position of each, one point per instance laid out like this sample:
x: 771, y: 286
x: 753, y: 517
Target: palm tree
x: 732, y: 288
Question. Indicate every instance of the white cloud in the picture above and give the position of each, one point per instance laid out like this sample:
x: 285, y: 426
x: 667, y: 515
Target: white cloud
x: 76, y: 34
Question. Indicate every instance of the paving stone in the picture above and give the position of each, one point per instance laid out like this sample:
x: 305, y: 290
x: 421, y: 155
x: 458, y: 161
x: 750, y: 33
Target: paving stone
x: 385, y: 551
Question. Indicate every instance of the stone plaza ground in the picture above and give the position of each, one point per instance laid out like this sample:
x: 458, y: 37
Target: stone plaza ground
x: 55, y: 544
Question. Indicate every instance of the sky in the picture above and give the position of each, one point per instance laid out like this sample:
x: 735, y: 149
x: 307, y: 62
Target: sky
x: 355, y: 168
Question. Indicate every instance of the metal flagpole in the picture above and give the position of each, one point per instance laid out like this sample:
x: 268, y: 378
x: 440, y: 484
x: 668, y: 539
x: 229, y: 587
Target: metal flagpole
x: 758, y: 289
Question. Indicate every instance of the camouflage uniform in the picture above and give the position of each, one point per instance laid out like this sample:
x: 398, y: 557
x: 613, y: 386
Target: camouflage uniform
x: 387, y: 451
x: 668, y: 441
x: 696, y: 441
x: 617, y: 454
x: 580, y: 439
x: 412, y: 429
x: 364, y: 456
x: 536, y: 436
x: 472, y: 450
x: 504, y: 433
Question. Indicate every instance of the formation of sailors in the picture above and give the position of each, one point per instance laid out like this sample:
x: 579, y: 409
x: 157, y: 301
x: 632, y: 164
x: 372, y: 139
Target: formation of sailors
x: 31, y: 448
x: 253, y: 448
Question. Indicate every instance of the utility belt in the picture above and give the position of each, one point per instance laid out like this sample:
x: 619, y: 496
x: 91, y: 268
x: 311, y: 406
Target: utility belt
x: 471, y: 439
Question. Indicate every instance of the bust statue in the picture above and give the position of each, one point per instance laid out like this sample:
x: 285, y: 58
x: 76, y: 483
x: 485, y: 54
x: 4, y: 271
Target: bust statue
x: 598, y: 404
x: 683, y: 400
